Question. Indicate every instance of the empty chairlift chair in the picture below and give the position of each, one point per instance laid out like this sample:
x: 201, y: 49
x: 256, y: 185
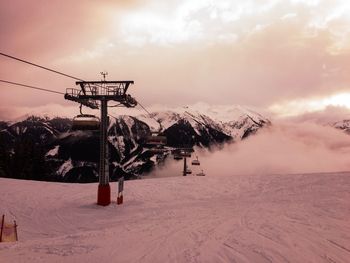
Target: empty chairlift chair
x: 157, y: 150
x: 156, y: 143
x: 177, y: 157
x: 86, y: 122
x: 185, y: 153
x: 196, y: 161
x: 201, y: 173
x: 156, y: 140
x: 181, y: 153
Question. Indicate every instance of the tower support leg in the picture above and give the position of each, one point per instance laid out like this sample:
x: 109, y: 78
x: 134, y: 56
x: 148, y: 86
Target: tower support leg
x: 185, y: 167
x: 104, y: 190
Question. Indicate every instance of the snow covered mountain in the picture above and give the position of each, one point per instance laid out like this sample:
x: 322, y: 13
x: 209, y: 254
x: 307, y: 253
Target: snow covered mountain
x: 72, y: 156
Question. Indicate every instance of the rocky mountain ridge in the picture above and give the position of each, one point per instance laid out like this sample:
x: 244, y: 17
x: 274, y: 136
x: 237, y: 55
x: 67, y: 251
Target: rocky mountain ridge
x: 47, y: 149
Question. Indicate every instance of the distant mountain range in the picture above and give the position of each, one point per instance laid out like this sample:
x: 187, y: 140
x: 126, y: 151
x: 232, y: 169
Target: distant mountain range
x: 47, y: 149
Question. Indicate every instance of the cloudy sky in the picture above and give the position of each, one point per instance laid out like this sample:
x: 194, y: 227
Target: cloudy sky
x: 288, y: 58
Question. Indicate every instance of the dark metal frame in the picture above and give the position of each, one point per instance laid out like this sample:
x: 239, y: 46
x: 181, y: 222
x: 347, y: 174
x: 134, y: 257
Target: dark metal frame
x: 90, y: 93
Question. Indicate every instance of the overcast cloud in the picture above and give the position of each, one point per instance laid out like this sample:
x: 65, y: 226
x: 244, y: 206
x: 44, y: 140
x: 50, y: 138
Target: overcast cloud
x: 271, y: 55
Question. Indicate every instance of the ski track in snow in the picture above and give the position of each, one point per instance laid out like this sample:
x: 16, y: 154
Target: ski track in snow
x: 261, y: 218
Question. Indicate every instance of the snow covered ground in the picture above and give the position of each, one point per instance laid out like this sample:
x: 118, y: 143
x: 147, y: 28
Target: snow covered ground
x: 260, y: 218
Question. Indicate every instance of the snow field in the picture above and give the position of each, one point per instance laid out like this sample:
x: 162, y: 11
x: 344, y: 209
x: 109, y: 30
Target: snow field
x: 261, y: 218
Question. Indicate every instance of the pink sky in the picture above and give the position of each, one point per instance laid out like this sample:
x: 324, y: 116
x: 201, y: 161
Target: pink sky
x: 285, y: 57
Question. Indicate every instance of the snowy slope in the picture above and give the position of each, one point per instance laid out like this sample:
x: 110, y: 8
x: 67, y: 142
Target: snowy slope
x: 271, y: 218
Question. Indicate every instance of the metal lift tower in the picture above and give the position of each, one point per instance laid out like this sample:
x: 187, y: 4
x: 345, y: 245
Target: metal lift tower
x: 96, y: 94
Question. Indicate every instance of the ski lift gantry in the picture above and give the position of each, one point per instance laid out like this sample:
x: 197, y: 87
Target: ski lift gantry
x: 95, y: 95
x: 183, y: 153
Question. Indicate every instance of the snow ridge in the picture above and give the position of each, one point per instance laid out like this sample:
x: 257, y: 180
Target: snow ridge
x: 66, y: 150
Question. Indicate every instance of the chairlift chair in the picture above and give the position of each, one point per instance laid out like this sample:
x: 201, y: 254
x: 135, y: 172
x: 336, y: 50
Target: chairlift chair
x: 85, y: 122
x: 177, y: 157
x: 201, y: 173
x: 196, y: 161
x: 181, y: 153
x: 156, y: 140
x: 157, y: 150
x: 156, y: 144
x: 188, y: 171
x: 185, y: 153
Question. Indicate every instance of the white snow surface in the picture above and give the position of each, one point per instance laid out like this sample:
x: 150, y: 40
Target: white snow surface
x: 260, y: 218
x: 53, y: 152
x: 65, y: 167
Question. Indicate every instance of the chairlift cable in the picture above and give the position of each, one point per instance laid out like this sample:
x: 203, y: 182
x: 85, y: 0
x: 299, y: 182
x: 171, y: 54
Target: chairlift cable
x: 42, y: 67
x: 39, y: 66
x: 157, y: 120
x: 54, y: 71
x: 146, y: 111
x: 31, y: 87
x: 45, y: 68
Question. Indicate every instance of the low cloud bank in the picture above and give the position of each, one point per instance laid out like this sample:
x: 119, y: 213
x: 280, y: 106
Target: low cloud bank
x: 330, y: 114
x: 281, y: 148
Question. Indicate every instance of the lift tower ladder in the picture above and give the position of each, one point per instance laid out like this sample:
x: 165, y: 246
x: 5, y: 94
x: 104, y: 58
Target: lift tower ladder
x: 89, y: 94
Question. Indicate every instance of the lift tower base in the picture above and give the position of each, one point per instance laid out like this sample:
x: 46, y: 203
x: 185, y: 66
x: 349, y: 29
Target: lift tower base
x: 103, y: 195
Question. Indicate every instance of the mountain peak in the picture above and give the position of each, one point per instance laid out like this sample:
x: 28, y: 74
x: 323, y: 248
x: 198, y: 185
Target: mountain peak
x: 62, y: 148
